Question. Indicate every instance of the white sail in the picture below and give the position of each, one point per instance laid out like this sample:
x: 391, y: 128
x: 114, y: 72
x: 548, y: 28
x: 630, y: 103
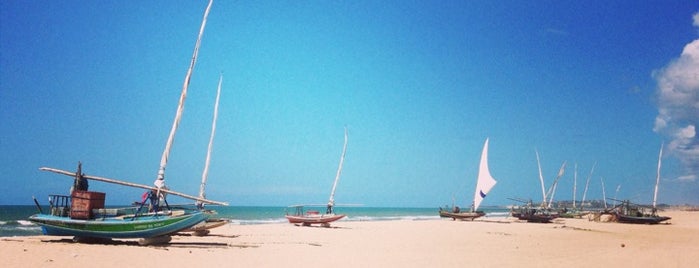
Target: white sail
x: 657, y: 177
x: 485, y: 180
x: 205, y: 173
x: 331, y: 201
x: 163, y: 160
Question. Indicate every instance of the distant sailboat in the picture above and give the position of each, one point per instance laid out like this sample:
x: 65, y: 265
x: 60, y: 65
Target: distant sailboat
x: 543, y: 213
x: 484, y: 183
x: 628, y: 212
x: 313, y: 216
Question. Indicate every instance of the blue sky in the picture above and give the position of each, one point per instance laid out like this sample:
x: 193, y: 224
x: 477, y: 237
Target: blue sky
x: 419, y: 84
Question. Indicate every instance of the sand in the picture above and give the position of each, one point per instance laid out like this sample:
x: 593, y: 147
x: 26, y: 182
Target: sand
x: 490, y: 242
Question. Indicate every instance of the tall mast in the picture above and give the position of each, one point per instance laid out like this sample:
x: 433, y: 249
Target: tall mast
x: 582, y: 203
x: 616, y: 193
x: 575, y: 183
x: 183, y: 96
x: 552, y: 190
x: 331, y: 201
x: 657, y: 177
x: 541, y: 178
x: 604, y: 194
x: 205, y: 173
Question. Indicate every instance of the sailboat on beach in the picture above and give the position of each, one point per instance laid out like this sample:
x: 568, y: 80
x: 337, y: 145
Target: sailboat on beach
x: 203, y: 228
x: 628, y: 212
x: 310, y: 217
x: 543, y: 213
x: 484, y: 183
x: 83, y: 213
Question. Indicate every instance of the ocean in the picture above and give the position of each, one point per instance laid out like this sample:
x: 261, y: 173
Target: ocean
x: 13, y: 219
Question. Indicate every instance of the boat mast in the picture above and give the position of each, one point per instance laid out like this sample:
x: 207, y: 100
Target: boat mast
x: 582, y: 203
x: 541, y: 178
x: 657, y: 177
x: 163, y: 160
x: 616, y: 193
x: 331, y: 201
x: 604, y: 194
x: 205, y: 173
x: 552, y: 190
x: 575, y: 183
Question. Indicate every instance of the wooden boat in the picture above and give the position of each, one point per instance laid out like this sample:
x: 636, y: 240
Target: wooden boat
x: 543, y: 213
x: 112, y: 225
x: 83, y: 214
x: 204, y: 228
x: 535, y: 214
x: 484, y: 183
x: 455, y: 214
x: 630, y: 213
x: 627, y: 212
x: 313, y: 216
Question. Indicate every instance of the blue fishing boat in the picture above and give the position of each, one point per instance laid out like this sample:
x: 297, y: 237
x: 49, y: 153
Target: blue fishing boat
x: 113, y: 223
x: 83, y: 214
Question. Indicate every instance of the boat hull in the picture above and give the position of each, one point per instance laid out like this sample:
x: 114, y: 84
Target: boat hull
x: 461, y: 215
x: 207, y: 224
x: 537, y: 218
x: 641, y: 220
x: 323, y: 219
x: 534, y: 215
x: 117, y: 227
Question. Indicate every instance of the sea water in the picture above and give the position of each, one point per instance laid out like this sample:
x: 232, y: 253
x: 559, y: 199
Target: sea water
x: 13, y: 219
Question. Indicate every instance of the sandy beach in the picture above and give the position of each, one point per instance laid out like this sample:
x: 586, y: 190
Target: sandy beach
x: 490, y: 242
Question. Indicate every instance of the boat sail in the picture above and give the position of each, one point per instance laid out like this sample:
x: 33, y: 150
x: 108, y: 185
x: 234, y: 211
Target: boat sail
x: 205, y: 173
x: 84, y: 216
x: 628, y: 212
x: 484, y: 184
x: 160, y: 180
x: 314, y: 217
x: 202, y: 229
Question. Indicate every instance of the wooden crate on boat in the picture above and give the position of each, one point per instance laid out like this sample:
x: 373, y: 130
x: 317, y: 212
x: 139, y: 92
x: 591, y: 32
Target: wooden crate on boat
x: 83, y: 202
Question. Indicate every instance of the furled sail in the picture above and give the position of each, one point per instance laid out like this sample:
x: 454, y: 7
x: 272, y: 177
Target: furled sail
x: 331, y: 201
x: 205, y: 173
x: 657, y: 178
x: 485, y: 180
x: 160, y: 181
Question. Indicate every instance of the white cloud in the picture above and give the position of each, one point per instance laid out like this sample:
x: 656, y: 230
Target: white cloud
x: 678, y: 107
